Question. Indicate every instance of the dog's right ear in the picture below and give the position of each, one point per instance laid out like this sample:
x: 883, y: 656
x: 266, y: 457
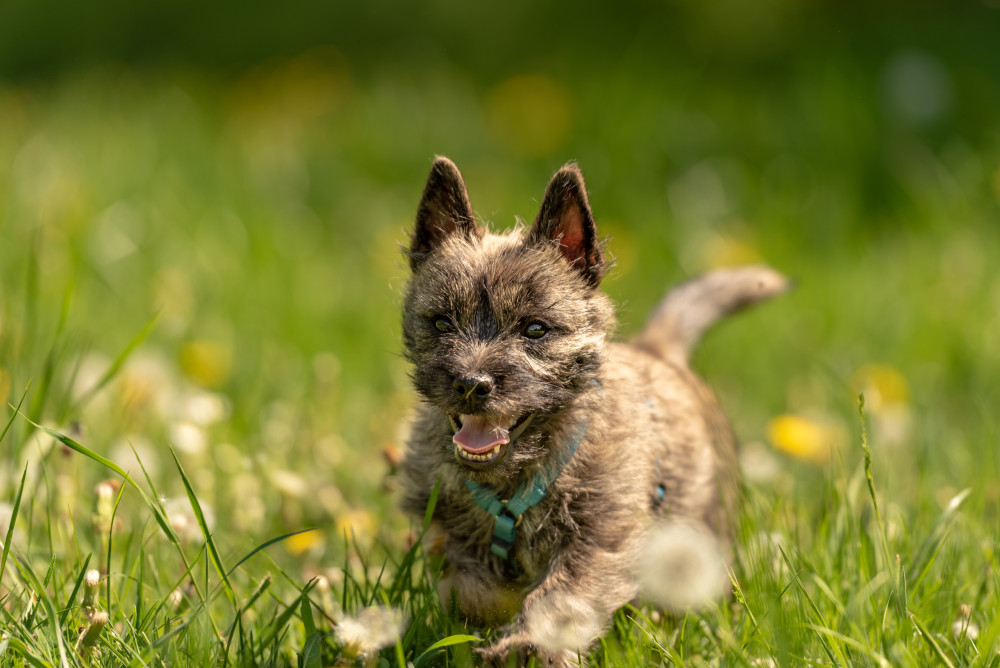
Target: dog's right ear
x: 444, y: 210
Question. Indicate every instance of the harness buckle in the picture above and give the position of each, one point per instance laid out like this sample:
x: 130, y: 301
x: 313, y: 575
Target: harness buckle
x: 504, y: 532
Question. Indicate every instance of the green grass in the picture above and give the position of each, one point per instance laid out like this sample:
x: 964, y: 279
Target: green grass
x: 199, y: 291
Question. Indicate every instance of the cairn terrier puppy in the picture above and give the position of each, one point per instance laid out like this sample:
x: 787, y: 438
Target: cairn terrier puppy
x: 553, y: 448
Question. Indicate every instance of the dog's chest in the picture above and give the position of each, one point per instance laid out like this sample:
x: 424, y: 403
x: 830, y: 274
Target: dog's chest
x: 472, y: 531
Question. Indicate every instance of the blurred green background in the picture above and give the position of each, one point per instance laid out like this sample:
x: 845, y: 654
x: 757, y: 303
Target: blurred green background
x: 248, y: 171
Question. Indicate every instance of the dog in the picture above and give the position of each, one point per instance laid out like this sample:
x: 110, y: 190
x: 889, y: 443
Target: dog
x: 553, y: 449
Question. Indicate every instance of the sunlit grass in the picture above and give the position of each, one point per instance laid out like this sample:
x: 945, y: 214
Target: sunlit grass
x: 199, y: 287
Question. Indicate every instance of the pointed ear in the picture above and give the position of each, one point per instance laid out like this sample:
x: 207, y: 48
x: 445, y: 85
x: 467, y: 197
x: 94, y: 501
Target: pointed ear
x: 566, y: 218
x: 444, y: 210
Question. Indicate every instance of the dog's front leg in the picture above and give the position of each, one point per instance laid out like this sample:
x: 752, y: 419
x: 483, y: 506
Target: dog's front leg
x: 569, y: 609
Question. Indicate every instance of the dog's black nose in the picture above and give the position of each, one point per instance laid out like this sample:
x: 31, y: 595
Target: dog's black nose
x: 479, y: 388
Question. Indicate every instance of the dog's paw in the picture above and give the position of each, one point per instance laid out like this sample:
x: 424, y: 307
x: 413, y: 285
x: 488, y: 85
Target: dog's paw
x: 515, y: 650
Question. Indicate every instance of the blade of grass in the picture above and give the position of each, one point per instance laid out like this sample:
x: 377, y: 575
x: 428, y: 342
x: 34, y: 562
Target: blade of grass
x: 14, y: 415
x: 432, y: 651
x: 894, y: 567
x: 266, y: 545
x: 213, y: 551
x: 431, y: 504
x: 932, y: 545
x: 113, y: 369
x: 850, y: 642
x: 282, y: 620
x: 13, y: 521
x: 262, y: 586
x: 51, y: 359
x: 17, y: 645
x: 50, y: 609
x: 311, y: 651
x: 931, y: 641
x: 111, y: 533
x: 76, y: 590
x: 158, y: 514
x: 812, y: 604
x: 866, y: 448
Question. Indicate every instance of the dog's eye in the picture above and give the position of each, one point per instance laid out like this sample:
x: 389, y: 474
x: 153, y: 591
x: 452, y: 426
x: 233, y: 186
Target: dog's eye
x: 535, y: 330
x: 443, y: 324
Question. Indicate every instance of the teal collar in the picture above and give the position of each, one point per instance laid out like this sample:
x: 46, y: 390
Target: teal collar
x: 509, y: 512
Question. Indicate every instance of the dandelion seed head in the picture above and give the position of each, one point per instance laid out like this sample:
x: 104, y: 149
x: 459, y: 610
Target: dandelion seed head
x: 174, y: 599
x: 963, y: 628
x: 371, y: 629
x: 560, y: 622
x: 681, y: 566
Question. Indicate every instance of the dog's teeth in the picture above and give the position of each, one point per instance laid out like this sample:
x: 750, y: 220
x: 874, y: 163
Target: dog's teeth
x: 473, y: 457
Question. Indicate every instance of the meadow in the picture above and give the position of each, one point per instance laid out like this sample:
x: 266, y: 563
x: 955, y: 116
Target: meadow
x: 200, y: 282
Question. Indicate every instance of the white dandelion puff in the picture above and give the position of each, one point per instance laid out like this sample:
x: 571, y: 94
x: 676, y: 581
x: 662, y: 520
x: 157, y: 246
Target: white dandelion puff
x: 560, y: 622
x: 371, y: 629
x: 681, y: 566
x: 963, y: 626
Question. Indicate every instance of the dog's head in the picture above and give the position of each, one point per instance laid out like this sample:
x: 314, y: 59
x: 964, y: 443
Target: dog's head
x: 503, y: 330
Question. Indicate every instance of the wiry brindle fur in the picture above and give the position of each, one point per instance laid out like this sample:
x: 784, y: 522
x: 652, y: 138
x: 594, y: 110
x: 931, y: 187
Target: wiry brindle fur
x: 508, y: 337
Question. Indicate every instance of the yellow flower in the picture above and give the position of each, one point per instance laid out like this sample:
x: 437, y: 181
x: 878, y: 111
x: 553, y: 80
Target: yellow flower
x: 301, y: 543
x: 208, y: 363
x: 887, y: 399
x: 803, y: 438
x: 728, y: 251
x: 882, y: 385
x: 356, y: 524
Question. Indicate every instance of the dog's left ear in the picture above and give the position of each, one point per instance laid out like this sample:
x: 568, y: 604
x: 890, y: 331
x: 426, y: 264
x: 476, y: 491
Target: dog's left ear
x: 565, y: 218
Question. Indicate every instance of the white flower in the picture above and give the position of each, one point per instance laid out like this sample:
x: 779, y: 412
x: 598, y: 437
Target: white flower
x: 188, y: 437
x: 758, y: 463
x: 290, y: 483
x: 183, y: 520
x: 372, y: 629
x: 559, y: 622
x: 205, y: 408
x: 963, y: 628
x: 681, y: 566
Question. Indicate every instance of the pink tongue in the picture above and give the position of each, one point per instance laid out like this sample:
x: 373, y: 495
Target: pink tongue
x: 479, y: 435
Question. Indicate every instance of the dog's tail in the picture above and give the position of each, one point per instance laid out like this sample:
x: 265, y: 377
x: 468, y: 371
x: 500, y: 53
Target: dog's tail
x: 693, y: 307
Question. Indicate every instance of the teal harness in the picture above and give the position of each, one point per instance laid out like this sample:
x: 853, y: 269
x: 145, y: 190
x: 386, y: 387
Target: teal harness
x: 509, y: 512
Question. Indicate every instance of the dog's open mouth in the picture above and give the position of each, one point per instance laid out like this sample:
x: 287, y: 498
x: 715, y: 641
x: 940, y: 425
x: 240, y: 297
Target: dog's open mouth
x: 481, y: 441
